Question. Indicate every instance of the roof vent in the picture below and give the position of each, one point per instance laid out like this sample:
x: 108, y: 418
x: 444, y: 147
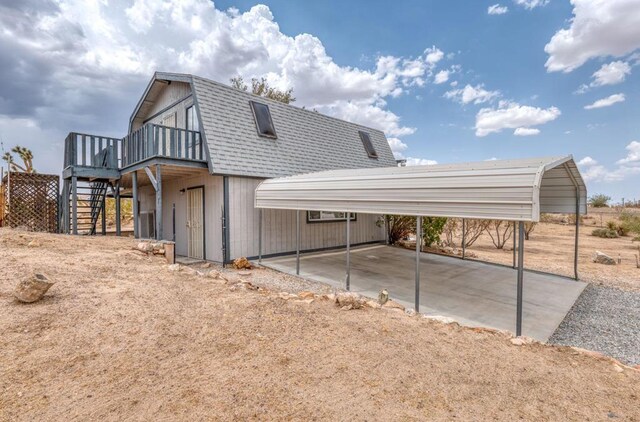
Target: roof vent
x: 368, y: 146
x: 264, y: 124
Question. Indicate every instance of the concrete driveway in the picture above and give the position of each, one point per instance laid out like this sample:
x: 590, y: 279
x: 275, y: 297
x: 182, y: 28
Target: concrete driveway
x: 472, y: 293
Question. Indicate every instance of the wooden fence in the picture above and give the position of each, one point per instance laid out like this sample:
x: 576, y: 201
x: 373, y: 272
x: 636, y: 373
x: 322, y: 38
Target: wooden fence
x: 30, y: 201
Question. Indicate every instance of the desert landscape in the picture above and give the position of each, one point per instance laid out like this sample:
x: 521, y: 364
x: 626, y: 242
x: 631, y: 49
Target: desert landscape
x: 121, y: 336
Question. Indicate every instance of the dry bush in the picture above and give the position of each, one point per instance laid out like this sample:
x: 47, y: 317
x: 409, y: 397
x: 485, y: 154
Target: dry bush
x: 500, y: 231
x: 473, y: 229
x: 450, y: 229
x: 398, y: 227
x: 528, y: 228
x: 605, y: 233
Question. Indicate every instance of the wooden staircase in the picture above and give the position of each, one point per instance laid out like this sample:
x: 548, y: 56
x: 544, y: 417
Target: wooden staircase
x: 91, y: 197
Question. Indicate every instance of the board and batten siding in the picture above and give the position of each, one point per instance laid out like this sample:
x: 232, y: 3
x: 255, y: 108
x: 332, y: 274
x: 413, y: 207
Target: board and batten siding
x: 279, y: 226
x: 169, y: 95
x: 213, y: 200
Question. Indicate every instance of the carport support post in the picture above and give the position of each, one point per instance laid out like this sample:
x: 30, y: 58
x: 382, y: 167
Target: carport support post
x: 464, y: 230
x: 520, y: 277
x: 418, y: 247
x: 348, y: 282
x: 575, y: 252
x: 259, y: 235
x: 514, y: 244
x: 297, y: 242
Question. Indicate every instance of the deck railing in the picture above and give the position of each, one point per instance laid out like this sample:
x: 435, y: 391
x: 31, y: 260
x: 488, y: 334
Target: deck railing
x: 149, y: 141
x: 81, y: 149
x: 153, y: 140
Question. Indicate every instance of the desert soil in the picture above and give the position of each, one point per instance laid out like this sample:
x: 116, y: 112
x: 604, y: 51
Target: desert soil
x: 121, y: 337
x: 550, y: 248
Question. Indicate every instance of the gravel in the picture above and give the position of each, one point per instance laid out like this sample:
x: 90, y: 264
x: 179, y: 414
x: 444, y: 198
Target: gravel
x: 606, y: 320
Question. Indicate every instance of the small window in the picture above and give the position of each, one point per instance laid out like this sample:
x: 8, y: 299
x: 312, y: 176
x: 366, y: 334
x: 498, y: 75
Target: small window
x: 328, y: 216
x: 264, y: 124
x: 192, y: 120
x: 368, y: 146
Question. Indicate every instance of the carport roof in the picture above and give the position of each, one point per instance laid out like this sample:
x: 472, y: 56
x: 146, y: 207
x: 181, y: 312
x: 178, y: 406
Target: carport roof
x: 515, y: 190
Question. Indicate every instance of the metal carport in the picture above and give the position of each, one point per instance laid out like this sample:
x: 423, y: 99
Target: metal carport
x: 514, y: 190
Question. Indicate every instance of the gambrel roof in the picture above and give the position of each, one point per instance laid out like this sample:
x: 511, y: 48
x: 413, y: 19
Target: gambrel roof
x: 307, y: 141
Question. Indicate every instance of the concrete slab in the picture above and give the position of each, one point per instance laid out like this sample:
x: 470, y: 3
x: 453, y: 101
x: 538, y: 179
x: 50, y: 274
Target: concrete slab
x: 472, y: 293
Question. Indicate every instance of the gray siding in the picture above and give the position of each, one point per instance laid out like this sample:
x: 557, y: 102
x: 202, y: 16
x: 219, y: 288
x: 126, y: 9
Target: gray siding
x: 167, y: 96
x: 212, y: 216
x: 279, y: 234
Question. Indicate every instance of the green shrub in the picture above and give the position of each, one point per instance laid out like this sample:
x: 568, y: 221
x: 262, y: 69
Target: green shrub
x: 432, y: 228
x: 599, y: 200
x: 630, y: 222
x: 605, y: 233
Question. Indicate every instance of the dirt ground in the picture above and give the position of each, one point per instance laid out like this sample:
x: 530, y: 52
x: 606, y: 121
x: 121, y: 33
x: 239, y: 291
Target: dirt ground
x: 551, y: 245
x: 121, y: 337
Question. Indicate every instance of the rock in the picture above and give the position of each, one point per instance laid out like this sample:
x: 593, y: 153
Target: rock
x: 245, y: 273
x: 34, y: 244
x: 145, y: 247
x: 383, y: 297
x: 348, y: 299
x: 213, y: 274
x: 306, y: 295
x: 373, y: 304
x: 33, y: 288
x: 601, y: 258
x: 158, y: 251
x: 521, y: 341
x: 392, y: 304
x: 330, y: 297
x: 410, y: 312
x: 242, y: 264
x: 174, y: 267
x: 206, y: 265
x: 618, y: 368
x: 287, y: 296
x: 440, y: 318
x: 306, y: 301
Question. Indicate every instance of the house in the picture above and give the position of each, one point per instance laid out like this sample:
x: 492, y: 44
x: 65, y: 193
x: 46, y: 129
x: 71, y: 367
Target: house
x: 196, y: 151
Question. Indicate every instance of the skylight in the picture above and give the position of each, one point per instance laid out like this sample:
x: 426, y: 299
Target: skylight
x: 264, y: 124
x: 368, y: 146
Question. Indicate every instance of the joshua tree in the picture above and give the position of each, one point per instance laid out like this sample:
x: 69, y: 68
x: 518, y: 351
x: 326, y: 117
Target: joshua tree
x: 25, y: 155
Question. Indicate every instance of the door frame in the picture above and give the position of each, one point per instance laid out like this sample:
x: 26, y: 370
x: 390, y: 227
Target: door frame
x: 204, y: 220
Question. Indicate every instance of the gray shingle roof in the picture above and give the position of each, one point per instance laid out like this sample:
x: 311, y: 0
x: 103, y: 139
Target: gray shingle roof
x: 307, y: 141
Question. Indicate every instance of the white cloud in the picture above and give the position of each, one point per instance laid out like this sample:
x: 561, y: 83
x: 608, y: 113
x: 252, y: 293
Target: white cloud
x: 397, y: 147
x: 611, y: 74
x: 491, y: 159
x: 531, y: 4
x: 606, y: 102
x: 497, y: 9
x: 411, y: 161
x: 79, y: 65
x: 454, y: 84
x: 433, y: 55
x: 591, y: 170
x: 510, y: 115
x: 599, y: 28
x: 633, y: 154
x: 526, y: 131
x: 441, y: 77
x: 476, y: 94
x: 587, y: 161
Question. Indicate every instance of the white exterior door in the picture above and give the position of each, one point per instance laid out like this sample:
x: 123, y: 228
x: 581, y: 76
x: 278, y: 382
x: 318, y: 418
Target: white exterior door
x: 195, y: 223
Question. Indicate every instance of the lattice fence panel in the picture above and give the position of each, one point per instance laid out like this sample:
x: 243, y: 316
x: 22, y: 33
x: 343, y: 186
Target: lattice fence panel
x: 32, y: 201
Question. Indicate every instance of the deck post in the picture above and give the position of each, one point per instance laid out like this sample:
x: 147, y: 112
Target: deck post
x: 259, y: 235
x: 159, y: 202
x: 520, y: 278
x: 66, y: 225
x: 74, y: 203
x: 297, y: 242
x: 418, y: 247
x: 348, y: 280
x: 515, y: 232
x: 134, y: 187
x: 464, y: 235
x: 103, y: 216
x: 575, y: 250
x: 118, y: 209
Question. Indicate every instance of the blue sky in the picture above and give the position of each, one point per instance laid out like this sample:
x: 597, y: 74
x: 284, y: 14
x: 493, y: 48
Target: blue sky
x: 447, y: 81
